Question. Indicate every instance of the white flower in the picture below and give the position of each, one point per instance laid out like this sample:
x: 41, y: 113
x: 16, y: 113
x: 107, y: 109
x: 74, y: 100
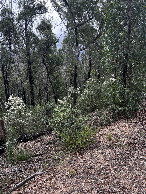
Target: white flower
x: 112, y: 79
x: 60, y: 101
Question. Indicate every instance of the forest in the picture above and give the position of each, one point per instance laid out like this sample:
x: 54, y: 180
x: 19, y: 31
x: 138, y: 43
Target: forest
x: 94, y: 79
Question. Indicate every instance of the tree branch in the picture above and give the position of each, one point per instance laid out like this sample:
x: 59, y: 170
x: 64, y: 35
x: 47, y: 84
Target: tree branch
x: 25, y: 181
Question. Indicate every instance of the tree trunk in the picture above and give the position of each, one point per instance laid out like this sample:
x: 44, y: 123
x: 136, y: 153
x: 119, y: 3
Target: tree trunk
x: 76, y: 67
x: 46, y: 90
x: 23, y: 93
x: 48, y: 78
x: 6, y: 82
x: 125, y: 67
x: 90, y: 65
x: 29, y: 65
x: 31, y: 81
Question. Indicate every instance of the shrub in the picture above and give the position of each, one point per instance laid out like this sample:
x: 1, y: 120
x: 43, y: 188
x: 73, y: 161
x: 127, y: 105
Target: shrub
x: 90, y: 98
x: 15, y: 115
x: 110, y: 100
x: 70, y: 126
x: 37, y: 123
x: 14, y: 155
x: 49, y: 108
x: 121, y: 101
x: 26, y: 122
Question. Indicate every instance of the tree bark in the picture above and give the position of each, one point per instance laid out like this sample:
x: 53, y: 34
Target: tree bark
x: 90, y: 65
x: 76, y: 67
x: 31, y: 81
x: 48, y: 78
x: 125, y: 67
x: 29, y: 65
x: 6, y: 82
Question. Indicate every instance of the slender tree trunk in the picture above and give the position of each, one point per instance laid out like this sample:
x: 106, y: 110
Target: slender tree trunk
x: 99, y: 73
x: 54, y: 93
x: 6, y: 82
x: 76, y: 67
x: 4, y: 70
x: 46, y: 89
x: 99, y: 67
x: 40, y: 96
x: 90, y: 65
x: 77, y: 58
x: 31, y: 81
x: 23, y: 92
x: 29, y: 65
x: 51, y: 83
x: 125, y: 67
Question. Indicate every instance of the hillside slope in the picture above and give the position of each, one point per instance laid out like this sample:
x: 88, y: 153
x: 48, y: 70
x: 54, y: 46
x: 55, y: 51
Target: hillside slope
x: 115, y: 163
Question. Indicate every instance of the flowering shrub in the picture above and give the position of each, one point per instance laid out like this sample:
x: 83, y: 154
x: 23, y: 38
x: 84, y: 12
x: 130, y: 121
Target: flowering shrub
x: 90, y: 98
x: 15, y: 114
x: 26, y: 122
x: 22, y: 123
x: 70, y: 95
x: 70, y: 126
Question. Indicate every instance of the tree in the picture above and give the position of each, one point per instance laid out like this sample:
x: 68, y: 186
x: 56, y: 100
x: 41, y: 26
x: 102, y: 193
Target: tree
x: 29, y: 10
x: 124, y: 50
x: 8, y: 30
x: 80, y: 16
x: 49, y: 57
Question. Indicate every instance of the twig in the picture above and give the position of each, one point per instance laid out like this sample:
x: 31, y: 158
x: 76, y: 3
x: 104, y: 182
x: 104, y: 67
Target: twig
x: 23, y: 182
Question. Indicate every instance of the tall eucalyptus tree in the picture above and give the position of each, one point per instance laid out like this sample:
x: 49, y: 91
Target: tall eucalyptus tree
x: 124, y: 51
x: 29, y: 9
x: 81, y: 18
x: 8, y: 38
x: 49, y: 58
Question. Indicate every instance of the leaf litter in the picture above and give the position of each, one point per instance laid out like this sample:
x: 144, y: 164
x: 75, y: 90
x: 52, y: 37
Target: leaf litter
x: 114, y: 163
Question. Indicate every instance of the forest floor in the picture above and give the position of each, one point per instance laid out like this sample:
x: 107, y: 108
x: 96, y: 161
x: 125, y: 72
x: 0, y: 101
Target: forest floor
x: 114, y: 163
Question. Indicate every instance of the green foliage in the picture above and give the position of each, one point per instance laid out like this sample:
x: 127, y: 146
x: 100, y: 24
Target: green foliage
x: 105, y: 116
x: 105, y: 41
x: 90, y: 98
x: 70, y: 126
x: 123, y: 56
x: 22, y: 123
x: 109, y: 136
x: 11, y: 141
x: 26, y: 122
x: 14, y: 155
x: 121, y: 101
x: 22, y: 155
x: 49, y: 108
x: 110, y: 100
x: 37, y: 122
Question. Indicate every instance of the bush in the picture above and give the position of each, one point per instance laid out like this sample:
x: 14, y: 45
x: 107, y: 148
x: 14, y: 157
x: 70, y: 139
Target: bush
x: 120, y: 101
x: 49, y: 108
x: 70, y: 126
x: 38, y: 121
x: 90, y: 98
x: 15, y: 115
x: 14, y: 155
x: 110, y: 100
x: 26, y: 122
